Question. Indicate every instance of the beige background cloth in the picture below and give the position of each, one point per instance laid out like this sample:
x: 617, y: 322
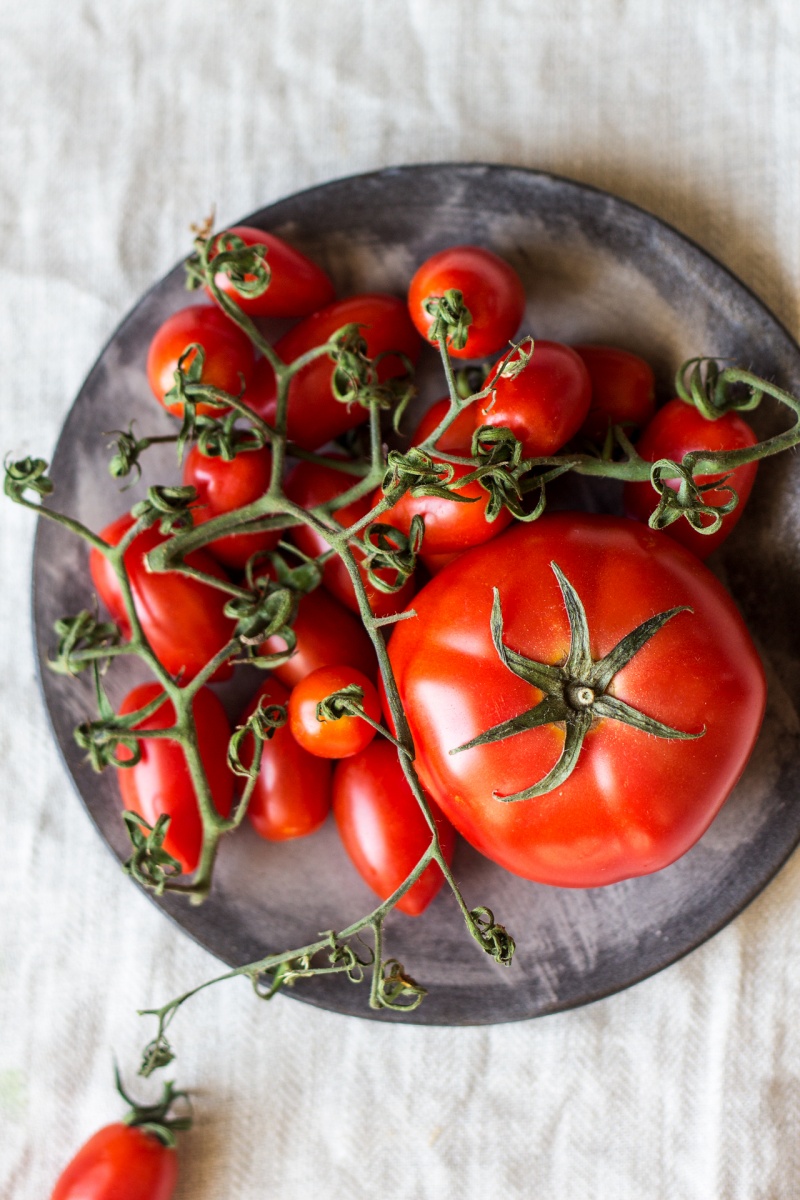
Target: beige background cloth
x: 122, y: 122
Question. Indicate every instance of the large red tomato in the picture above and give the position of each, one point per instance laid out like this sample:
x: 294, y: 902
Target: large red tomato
x: 314, y: 415
x: 635, y: 800
x: 182, y: 617
x: 297, y: 286
x: 674, y: 431
x: 160, y: 781
x: 120, y: 1162
x: 383, y: 828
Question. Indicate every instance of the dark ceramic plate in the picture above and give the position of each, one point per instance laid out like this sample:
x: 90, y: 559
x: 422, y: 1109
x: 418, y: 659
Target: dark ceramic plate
x: 595, y: 269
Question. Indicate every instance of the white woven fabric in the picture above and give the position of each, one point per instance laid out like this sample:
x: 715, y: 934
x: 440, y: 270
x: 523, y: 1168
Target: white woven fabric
x: 121, y: 123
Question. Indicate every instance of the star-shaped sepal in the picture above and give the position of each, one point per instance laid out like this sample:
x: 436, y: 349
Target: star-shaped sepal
x: 575, y: 693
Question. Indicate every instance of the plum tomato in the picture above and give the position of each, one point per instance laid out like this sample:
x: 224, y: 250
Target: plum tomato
x: 491, y: 289
x: 223, y: 486
x: 314, y: 416
x: 544, y: 403
x: 331, y: 737
x: 674, y: 431
x: 384, y: 830
x: 120, y: 1161
x: 160, y: 781
x: 297, y: 286
x: 182, y: 617
x: 457, y: 438
x: 292, y: 794
x: 310, y: 485
x: 623, y: 390
x: 648, y: 687
x: 327, y: 634
x: 229, y: 356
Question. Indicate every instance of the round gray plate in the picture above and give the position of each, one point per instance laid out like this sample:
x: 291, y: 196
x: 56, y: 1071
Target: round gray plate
x: 595, y: 268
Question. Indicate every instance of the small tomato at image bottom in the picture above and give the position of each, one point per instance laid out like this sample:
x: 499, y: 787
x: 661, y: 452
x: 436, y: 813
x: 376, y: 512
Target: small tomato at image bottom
x: 384, y: 830
x: 160, y: 781
x: 335, y: 734
x: 582, y: 694
x: 292, y: 794
x: 120, y: 1162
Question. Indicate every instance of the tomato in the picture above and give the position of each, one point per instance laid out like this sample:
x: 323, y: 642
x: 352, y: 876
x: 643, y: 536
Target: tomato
x: 292, y: 794
x: 314, y: 415
x: 457, y: 438
x: 545, y: 404
x: 332, y: 738
x: 297, y: 286
x: 310, y: 485
x: 450, y: 526
x: 675, y: 430
x: 383, y: 828
x: 224, y: 486
x: 182, y: 617
x: 491, y: 289
x: 634, y: 801
x: 623, y: 390
x: 327, y: 634
x: 229, y: 356
x: 120, y: 1162
x: 160, y: 782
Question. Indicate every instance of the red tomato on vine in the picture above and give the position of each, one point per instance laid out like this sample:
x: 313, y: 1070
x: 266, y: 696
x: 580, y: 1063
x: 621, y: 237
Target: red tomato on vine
x: 120, y: 1162
x: 623, y: 391
x: 297, y: 286
x: 332, y: 736
x: 229, y: 356
x: 383, y: 828
x: 674, y: 431
x: 223, y: 486
x: 327, y: 634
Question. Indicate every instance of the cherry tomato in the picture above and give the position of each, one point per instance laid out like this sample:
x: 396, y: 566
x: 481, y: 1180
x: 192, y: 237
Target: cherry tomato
x: 224, y: 486
x: 309, y: 485
x: 120, y: 1162
x: 314, y: 415
x: 327, y: 634
x: 229, y: 356
x: 623, y: 390
x: 160, y: 781
x: 457, y: 438
x: 676, y: 429
x: 545, y: 404
x: 634, y: 801
x: 297, y: 286
x: 292, y: 794
x: 182, y: 617
x: 491, y: 289
x: 383, y: 828
x: 332, y: 738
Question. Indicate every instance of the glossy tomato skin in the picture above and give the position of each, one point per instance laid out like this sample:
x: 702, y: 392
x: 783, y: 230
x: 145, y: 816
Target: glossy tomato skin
x: 332, y: 739
x: 383, y: 828
x: 160, y: 782
x: 634, y: 803
x: 545, y: 404
x: 492, y: 292
x: 292, y: 795
x: 297, y: 286
x: 676, y: 429
x: 314, y: 415
x: 229, y: 356
x: 310, y: 485
x: 223, y: 487
x: 182, y: 617
x: 327, y: 634
x: 119, y: 1162
x: 623, y: 390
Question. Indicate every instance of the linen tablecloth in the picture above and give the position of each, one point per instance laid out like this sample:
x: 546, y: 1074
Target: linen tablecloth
x: 121, y: 124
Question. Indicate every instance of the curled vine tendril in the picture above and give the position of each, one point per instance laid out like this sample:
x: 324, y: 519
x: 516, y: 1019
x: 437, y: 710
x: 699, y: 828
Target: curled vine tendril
x: 149, y: 864
x: 450, y: 319
x: 169, y: 507
x: 493, y: 938
x: 688, y: 499
x: 388, y: 549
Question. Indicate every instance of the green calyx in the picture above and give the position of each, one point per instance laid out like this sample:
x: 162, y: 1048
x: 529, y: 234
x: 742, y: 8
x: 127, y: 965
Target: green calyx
x: 576, y: 693
x: 155, y: 1118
